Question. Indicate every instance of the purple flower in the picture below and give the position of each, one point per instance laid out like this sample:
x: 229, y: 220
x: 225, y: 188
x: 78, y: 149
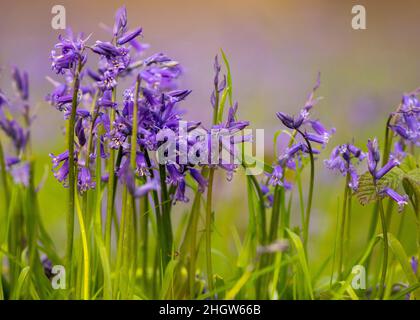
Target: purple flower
x: 21, y: 82
x: 62, y: 173
x: 373, y: 160
x: 276, y: 176
x: 130, y: 36
x: 180, y: 193
x: 21, y: 173
x: 341, y: 160
x: 398, y: 152
x: 399, y: 199
x: 126, y: 175
x: 61, y: 160
x: 414, y: 264
x: 80, y: 132
x: 106, y: 100
x: 304, y: 125
x: 70, y: 53
x: 386, y: 168
x: 174, y: 176
x: 196, y: 175
x: 84, y: 180
x: 321, y: 139
x: 219, y: 86
x: 290, y: 121
x: 141, y: 165
x: 14, y: 131
x: 295, y: 122
x: 10, y: 161
x: 106, y: 49
x: 407, y: 119
x: 120, y: 25
x: 267, y: 194
x: 56, y: 160
x: 373, y: 156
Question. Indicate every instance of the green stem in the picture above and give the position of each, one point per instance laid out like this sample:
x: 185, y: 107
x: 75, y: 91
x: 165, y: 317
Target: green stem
x: 4, y: 177
x: 385, y: 257
x: 275, y: 217
x: 166, y: 216
x: 71, y: 175
x: 110, y: 191
x: 342, y: 229
x: 209, y: 222
x: 86, y: 262
x: 195, y: 213
x: 144, y: 223
x: 310, y: 194
x: 161, y: 234
x: 263, y: 223
x: 385, y: 158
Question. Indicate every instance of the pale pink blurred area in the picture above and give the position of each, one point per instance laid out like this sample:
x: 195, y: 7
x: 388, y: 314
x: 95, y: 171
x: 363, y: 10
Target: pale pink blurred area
x: 275, y: 49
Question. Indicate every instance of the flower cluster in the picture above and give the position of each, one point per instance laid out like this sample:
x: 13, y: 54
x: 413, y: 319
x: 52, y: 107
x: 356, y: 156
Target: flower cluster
x: 373, y: 161
x: 341, y: 160
x: 319, y: 133
x: 407, y: 119
x: 99, y: 116
x: 15, y: 121
x: 310, y: 130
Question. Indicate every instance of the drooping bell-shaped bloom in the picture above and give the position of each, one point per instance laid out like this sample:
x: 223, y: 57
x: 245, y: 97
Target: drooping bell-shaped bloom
x: 407, y: 119
x: 399, y: 199
x: 296, y: 122
x: 267, y: 194
x: 197, y: 176
x: 341, y: 160
x: 276, y: 176
x: 84, y: 179
x: 21, y: 83
x: 374, y: 158
x: 20, y: 173
x: 142, y: 168
x: 69, y: 51
x: 414, y: 264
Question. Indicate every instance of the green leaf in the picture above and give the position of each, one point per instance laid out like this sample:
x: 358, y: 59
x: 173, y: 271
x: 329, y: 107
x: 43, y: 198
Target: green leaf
x: 403, y: 259
x: 297, y: 244
x: 366, y: 192
x: 411, y: 184
x: 168, y: 279
x: 251, y: 161
x: 220, y: 283
x: 20, y: 283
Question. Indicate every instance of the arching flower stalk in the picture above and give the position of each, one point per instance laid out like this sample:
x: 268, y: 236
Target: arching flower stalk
x: 342, y: 160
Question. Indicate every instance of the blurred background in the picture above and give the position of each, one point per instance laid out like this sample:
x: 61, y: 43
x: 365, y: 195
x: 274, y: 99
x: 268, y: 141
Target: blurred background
x: 275, y: 49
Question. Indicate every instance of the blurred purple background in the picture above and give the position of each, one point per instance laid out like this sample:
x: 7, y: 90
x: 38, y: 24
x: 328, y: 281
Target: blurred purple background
x: 275, y: 49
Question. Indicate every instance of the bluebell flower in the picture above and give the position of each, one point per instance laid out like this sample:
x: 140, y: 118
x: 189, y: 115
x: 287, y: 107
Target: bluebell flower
x: 374, y: 158
x: 20, y: 173
x: 69, y: 51
x: 399, y: 199
x: 341, y: 159
x: 84, y: 180
x: 21, y: 82
x: 407, y: 119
